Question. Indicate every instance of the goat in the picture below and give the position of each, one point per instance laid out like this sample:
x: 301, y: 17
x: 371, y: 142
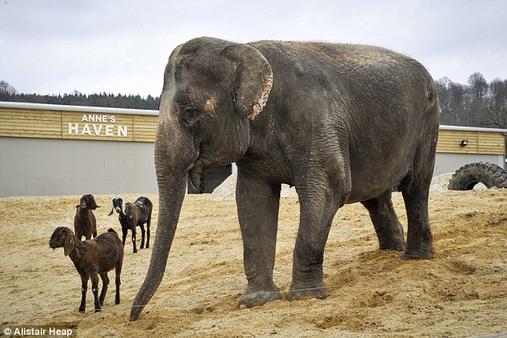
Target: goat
x: 134, y: 214
x: 92, y: 258
x: 85, y: 223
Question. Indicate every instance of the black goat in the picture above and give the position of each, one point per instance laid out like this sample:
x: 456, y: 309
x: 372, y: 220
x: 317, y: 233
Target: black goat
x: 92, y: 258
x: 134, y: 214
x: 85, y: 223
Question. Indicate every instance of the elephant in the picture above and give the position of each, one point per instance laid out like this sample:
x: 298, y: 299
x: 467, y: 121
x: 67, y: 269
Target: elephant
x: 342, y: 123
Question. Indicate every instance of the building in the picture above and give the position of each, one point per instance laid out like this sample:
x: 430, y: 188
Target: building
x: 72, y: 150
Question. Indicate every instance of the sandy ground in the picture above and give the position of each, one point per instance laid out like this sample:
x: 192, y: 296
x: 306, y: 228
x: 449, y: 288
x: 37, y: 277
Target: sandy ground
x: 462, y: 292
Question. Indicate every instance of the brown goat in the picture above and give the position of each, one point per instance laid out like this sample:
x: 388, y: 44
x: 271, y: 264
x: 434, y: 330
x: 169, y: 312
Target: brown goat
x: 92, y: 258
x: 85, y: 223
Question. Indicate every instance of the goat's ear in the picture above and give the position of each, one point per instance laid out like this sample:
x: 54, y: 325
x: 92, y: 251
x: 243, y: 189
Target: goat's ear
x: 69, y: 244
x: 92, y: 205
x: 112, y: 210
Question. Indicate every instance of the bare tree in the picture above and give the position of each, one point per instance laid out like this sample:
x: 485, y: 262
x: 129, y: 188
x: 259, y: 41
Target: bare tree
x: 498, y: 103
x: 6, y: 88
x: 457, y: 100
x: 479, y: 86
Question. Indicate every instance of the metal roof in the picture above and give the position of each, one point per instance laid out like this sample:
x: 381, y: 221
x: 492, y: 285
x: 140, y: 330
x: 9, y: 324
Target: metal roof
x: 491, y: 130
x: 86, y: 109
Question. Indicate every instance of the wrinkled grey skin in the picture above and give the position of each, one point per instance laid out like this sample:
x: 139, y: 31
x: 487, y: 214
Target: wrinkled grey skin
x: 342, y: 123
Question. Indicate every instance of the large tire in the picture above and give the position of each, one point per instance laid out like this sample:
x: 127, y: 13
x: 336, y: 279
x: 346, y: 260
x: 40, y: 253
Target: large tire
x: 466, y: 177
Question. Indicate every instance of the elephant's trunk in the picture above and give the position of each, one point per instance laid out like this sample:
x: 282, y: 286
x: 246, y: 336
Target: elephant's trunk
x: 172, y: 176
x: 169, y: 211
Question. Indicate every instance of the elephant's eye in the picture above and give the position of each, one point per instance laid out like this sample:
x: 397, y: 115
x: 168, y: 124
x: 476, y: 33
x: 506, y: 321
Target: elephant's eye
x: 191, y: 110
x: 191, y: 116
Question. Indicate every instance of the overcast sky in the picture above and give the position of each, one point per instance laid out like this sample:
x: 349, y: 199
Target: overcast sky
x: 52, y: 47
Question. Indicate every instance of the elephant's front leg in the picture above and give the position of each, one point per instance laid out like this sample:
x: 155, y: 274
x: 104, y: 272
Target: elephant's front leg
x: 258, y: 203
x: 318, y: 204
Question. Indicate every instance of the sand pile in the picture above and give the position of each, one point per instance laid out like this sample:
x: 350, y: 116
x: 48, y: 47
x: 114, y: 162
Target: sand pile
x: 227, y: 190
x: 440, y: 182
x: 461, y: 292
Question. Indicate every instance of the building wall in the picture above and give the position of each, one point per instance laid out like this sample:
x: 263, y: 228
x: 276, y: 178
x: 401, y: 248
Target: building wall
x: 70, y: 167
x: 448, y: 162
x: 72, y: 150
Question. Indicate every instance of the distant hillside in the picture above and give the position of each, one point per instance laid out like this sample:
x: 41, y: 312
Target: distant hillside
x: 7, y: 93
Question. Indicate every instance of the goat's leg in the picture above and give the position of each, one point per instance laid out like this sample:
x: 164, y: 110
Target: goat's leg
x: 134, y: 238
x: 117, y: 271
x: 84, y: 286
x: 95, y: 289
x: 142, y: 235
x: 124, y: 232
x: 148, y: 232
x: 105, y: 283
x: 78, y: 234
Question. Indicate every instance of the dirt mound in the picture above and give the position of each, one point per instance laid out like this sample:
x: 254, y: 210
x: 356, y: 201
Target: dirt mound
x: 227, y: 190
x: 461, y: 292
x: 440, y: 182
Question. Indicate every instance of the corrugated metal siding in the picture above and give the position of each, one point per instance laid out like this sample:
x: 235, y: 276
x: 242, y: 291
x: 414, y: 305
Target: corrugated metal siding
x: 491, y: 143
x: 55, y: 124
x: 479, y: 142
x: 449, y: 142
x: 36, y: 123
x: 145, y: 128
x: 30, y: 123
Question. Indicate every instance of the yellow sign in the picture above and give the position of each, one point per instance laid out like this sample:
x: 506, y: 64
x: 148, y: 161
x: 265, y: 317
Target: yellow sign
x: 49, y: 123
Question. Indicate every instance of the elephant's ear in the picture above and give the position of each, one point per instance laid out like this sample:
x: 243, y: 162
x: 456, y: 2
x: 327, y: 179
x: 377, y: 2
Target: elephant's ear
x: 254, y: 79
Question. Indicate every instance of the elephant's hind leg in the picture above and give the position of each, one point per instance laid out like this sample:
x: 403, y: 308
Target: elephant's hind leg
x: 419, y: 238
x: 258, y: 203
x: 384, y: 219
x: 415, y: 189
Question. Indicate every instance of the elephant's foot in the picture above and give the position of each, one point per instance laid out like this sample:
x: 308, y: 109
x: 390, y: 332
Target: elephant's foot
x: 259, y: 297
x: 304, y: 292
x: 423, y: 250
x: 394, y: 244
